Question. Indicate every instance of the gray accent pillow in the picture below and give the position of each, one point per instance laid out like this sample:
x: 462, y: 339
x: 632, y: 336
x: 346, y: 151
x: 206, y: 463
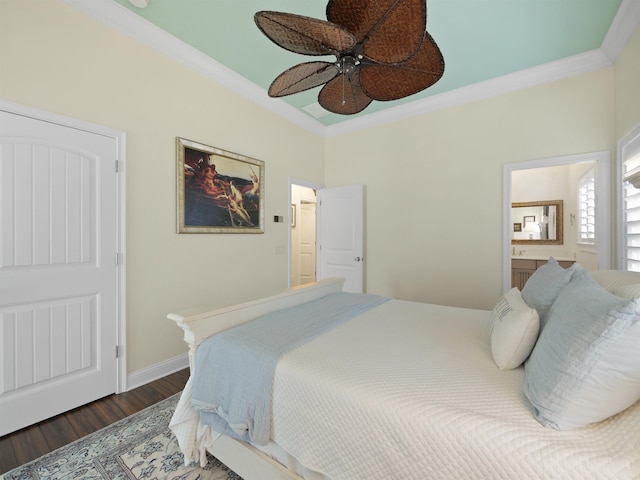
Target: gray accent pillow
x: 585, y: 366
x: 544, y: 285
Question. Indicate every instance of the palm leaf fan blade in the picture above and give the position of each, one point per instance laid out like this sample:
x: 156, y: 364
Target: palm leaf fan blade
x: 390, y: 31
x: 305, y: 35
x: 392, y: 82
x: 344, y: 95
x: 302, y: 77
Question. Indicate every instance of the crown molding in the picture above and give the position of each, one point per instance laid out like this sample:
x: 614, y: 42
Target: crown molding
x: 624, y: 24
x: 546, y: 73
x: 120, y: 18
x: 116, y: 16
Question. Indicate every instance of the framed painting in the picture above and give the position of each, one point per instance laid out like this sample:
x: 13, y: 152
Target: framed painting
x: 218, y: 191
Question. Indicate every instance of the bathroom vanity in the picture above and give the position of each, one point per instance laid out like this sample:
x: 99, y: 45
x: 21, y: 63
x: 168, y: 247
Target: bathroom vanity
x: 522, y: 268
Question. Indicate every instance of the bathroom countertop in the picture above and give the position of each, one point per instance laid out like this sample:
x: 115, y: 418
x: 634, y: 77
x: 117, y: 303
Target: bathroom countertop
x: 542, y: 257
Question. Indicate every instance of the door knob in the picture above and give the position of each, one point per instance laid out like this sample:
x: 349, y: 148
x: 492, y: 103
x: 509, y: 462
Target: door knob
x: 358, y: 259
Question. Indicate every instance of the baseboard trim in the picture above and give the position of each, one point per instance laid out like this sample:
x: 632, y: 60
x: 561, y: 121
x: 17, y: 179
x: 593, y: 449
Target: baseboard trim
x: 154, y: 372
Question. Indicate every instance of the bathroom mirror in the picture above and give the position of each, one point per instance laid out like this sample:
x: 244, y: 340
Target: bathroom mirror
x: 536, y: 223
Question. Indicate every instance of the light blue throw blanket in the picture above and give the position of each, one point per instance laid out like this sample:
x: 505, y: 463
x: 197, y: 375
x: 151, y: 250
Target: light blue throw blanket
x: 234, y: 369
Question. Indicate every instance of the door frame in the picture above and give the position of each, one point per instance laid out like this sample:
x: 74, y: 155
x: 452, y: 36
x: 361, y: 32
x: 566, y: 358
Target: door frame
x: 121, y: 141
x: 302, y: 183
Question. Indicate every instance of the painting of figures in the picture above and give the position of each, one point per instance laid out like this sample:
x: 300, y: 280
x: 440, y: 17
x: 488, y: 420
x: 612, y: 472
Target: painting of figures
x: 218, y: 191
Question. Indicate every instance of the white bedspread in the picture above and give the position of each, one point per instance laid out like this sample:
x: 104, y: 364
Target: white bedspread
x: 410, y: 391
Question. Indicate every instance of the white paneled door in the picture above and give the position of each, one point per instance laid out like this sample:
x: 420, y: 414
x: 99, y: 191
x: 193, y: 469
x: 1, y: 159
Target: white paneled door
x: 341, y: 235
x: 58, y: 271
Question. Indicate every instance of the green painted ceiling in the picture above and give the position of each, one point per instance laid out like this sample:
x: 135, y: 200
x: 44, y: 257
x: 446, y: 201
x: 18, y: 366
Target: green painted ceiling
x: 480, y: 39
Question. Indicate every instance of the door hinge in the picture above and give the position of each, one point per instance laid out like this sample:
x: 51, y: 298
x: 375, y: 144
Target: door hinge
x: 117, y: 166
x: 117, y: 351
x: 117, y: 258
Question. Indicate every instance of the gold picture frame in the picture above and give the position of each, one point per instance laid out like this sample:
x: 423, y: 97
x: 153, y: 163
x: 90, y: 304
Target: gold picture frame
x: 218, y: 191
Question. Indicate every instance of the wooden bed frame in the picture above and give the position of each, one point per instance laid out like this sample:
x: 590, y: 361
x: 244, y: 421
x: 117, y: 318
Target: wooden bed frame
x: 247, y: 461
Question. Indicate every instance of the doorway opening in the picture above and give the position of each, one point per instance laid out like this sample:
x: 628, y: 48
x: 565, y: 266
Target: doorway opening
x: 515, y: 178
x: 302, y: 238
x: 328, y: 237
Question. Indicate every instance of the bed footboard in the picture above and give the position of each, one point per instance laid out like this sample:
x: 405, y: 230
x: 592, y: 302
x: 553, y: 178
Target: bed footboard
x: 249, y: 462
x: 199, y: 325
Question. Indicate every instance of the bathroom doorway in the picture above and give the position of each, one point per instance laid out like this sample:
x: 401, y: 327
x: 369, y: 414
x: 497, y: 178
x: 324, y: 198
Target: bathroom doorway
x: 540, y: 173
x: 303, y: 234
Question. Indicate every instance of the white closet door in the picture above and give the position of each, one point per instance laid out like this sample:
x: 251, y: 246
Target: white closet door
x: 58, y: 274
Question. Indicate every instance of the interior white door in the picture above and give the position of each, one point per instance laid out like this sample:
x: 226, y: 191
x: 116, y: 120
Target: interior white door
x: 58, y: 272
x: 341, y: 235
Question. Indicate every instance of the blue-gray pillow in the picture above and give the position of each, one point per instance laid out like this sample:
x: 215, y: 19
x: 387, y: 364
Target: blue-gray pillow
x: 585, y: 366
x: 544, y: 285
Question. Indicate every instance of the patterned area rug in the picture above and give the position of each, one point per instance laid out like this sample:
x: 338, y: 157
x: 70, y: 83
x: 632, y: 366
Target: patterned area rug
x: 138, y: 447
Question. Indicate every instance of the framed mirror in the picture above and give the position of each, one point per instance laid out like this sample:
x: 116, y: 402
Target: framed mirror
x: 537, y: 223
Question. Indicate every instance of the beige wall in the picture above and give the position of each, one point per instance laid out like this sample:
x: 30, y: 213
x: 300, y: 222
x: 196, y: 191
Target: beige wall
x: 434, y: 183
x: 59, y: 60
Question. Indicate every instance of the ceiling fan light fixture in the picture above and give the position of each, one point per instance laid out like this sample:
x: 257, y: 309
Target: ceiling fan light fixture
x: 383, y: 52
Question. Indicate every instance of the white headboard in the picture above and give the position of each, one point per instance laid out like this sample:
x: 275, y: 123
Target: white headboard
x: 615, y: 280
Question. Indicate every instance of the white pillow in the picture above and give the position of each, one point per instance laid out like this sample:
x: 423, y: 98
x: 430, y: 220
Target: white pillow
x: 514, y: 330
x: 585, y: 366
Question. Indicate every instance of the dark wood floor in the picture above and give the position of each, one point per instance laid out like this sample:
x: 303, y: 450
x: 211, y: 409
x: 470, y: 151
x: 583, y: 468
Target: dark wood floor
x: 32, y: 442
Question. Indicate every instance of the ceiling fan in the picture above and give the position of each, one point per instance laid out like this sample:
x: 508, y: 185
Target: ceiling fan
x: 383, y: 52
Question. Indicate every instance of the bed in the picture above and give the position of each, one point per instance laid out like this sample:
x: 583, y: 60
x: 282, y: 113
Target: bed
x: 414, y: 391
